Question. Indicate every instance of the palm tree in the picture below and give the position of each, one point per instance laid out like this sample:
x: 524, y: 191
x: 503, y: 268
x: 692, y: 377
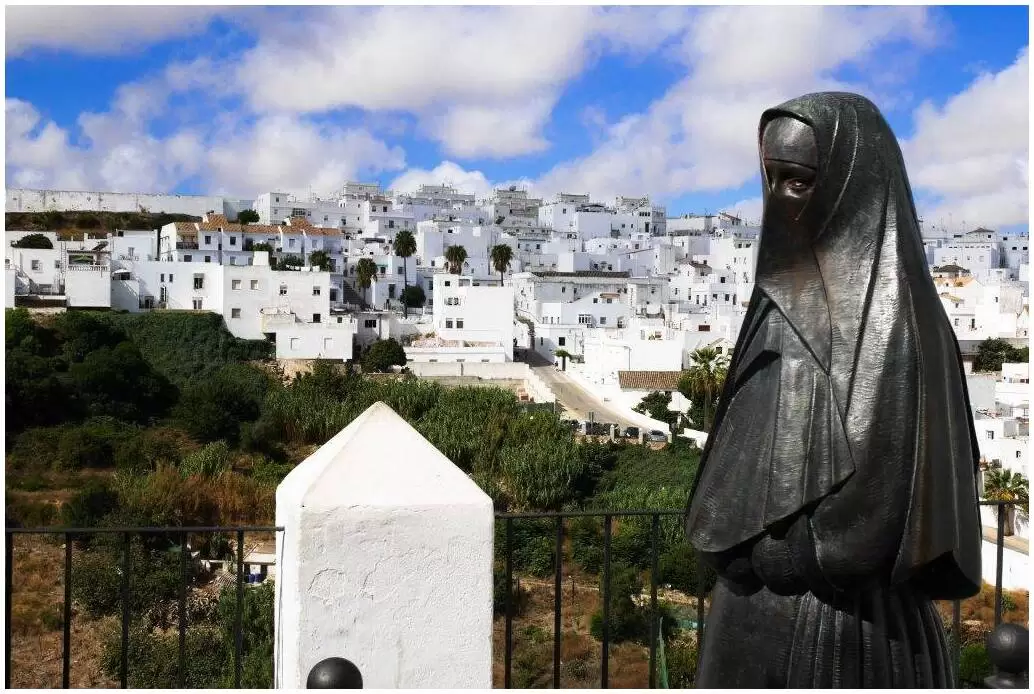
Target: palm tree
x: 704, y: 378
x: 455, y: 256
x: 501, y: 257
x: 405, y: 246
x: 365, y: 272
x: 1006, y: 485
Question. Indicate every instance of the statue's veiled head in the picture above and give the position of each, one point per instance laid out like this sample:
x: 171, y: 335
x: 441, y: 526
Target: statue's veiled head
x: 790, y: 158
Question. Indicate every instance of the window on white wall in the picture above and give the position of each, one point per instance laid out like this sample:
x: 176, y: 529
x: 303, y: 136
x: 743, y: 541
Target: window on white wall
x: 254, y: 284
x: 459, y: 323
x: 37, y: 265
x: 294, y: 343
x: 235, y: 284
x: 283, y: 290
x: 448, y: 323
x: 235, y: 313
x: 198, y: 304
x: 315, y: 291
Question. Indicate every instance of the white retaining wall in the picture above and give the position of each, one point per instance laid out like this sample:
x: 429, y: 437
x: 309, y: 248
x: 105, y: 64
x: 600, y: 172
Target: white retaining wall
x: 27, y: 200
x: 1015, y: 567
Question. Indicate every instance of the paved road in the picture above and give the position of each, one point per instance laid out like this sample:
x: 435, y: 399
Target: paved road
x: 577, y: 402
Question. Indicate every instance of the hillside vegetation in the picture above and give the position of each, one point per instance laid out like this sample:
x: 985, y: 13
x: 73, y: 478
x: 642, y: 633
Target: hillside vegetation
x: 166, y: 419
x: 98, y: 223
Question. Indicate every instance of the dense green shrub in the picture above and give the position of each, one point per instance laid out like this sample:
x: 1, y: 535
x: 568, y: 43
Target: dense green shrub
x: 82, y: 448
x: 413, y: 296
x: 534, y: 545
x: 154, y: 573
x: 33, y: 241
x: 628, y: 622
x: 680, y: 567
x: 382, y: 355
x: 217, y: 406
x: 154, y: 657
x: 89, y: 506
x: 519, y: 595
x: 974, y: 664
x: 587, y: 543
x: 186, y: 346
x: 992, y: 352
x: 117, y: 382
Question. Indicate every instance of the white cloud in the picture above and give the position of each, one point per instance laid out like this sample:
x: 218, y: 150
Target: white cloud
x: 748, y: 210
x: 99, y: 30
x: 275, y: 152
x: 493, y: 131
x: 37, y: 152
x: 291, y: 154
x: 701, y: 135
x: 483, y: 82
x: 448, y: 173
x: 971, y: 153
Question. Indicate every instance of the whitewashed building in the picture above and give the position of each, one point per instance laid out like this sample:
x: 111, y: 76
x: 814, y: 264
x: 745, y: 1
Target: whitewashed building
x: 473, y: 321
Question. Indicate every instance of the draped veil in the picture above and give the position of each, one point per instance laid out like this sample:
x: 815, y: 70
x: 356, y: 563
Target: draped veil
x: 845, y: 401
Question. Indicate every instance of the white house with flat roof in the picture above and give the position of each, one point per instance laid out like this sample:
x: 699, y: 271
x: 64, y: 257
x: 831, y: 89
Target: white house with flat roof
x: 472, y: 319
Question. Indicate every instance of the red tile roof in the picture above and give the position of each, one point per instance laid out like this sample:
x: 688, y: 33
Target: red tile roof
x: 649, y: 380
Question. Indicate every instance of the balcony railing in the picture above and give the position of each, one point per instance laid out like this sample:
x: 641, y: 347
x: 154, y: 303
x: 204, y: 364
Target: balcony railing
x: 186, y: 245
x: 128, y: 542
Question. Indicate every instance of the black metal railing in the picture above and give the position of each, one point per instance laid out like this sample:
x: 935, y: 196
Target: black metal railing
x: 120, y: 541
x: 656, y: 516
x: 124, y: 537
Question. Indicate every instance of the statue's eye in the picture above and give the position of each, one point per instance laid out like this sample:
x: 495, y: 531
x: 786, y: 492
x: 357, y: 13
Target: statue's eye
x: 798, y: 184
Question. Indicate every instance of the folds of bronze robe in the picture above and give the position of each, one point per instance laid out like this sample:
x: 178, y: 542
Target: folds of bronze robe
x: 836, y: 496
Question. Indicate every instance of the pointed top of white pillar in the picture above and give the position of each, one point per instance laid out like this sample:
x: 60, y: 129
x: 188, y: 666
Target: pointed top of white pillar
x: 378, y: 460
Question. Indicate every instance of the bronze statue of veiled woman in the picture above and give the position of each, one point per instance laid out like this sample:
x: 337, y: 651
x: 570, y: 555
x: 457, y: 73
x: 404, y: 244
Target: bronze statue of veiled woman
x: 836, y: 496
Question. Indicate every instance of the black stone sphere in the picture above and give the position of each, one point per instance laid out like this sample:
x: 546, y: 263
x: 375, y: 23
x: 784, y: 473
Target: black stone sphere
x: 1008, y: 647
x: 334, y: 673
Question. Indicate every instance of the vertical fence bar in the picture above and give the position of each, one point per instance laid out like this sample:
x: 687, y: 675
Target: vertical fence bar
x: 1000, y: 541
x: 8, y: 585
x: 557, y: 588
x: 654, y: 533
x: 66, y: 626
x: 238, y: 629
x: 605, y: 651
x: 508, y: 636
x: 701, y: 574
x: 956, y: 640
x: 124, y: 665
x: 183, y: 611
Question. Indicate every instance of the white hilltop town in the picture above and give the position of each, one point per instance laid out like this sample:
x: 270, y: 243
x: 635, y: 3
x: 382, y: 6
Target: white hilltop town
x: 600, y: 303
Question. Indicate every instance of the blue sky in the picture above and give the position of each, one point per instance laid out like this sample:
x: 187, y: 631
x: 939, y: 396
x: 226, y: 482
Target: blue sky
x: 659, y: 101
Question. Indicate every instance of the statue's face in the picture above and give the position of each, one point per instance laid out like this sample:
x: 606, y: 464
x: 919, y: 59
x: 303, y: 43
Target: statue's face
x: 791, y: 159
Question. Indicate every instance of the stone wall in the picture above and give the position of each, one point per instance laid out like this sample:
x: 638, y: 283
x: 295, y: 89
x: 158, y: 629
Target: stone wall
x: 26, y: 200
